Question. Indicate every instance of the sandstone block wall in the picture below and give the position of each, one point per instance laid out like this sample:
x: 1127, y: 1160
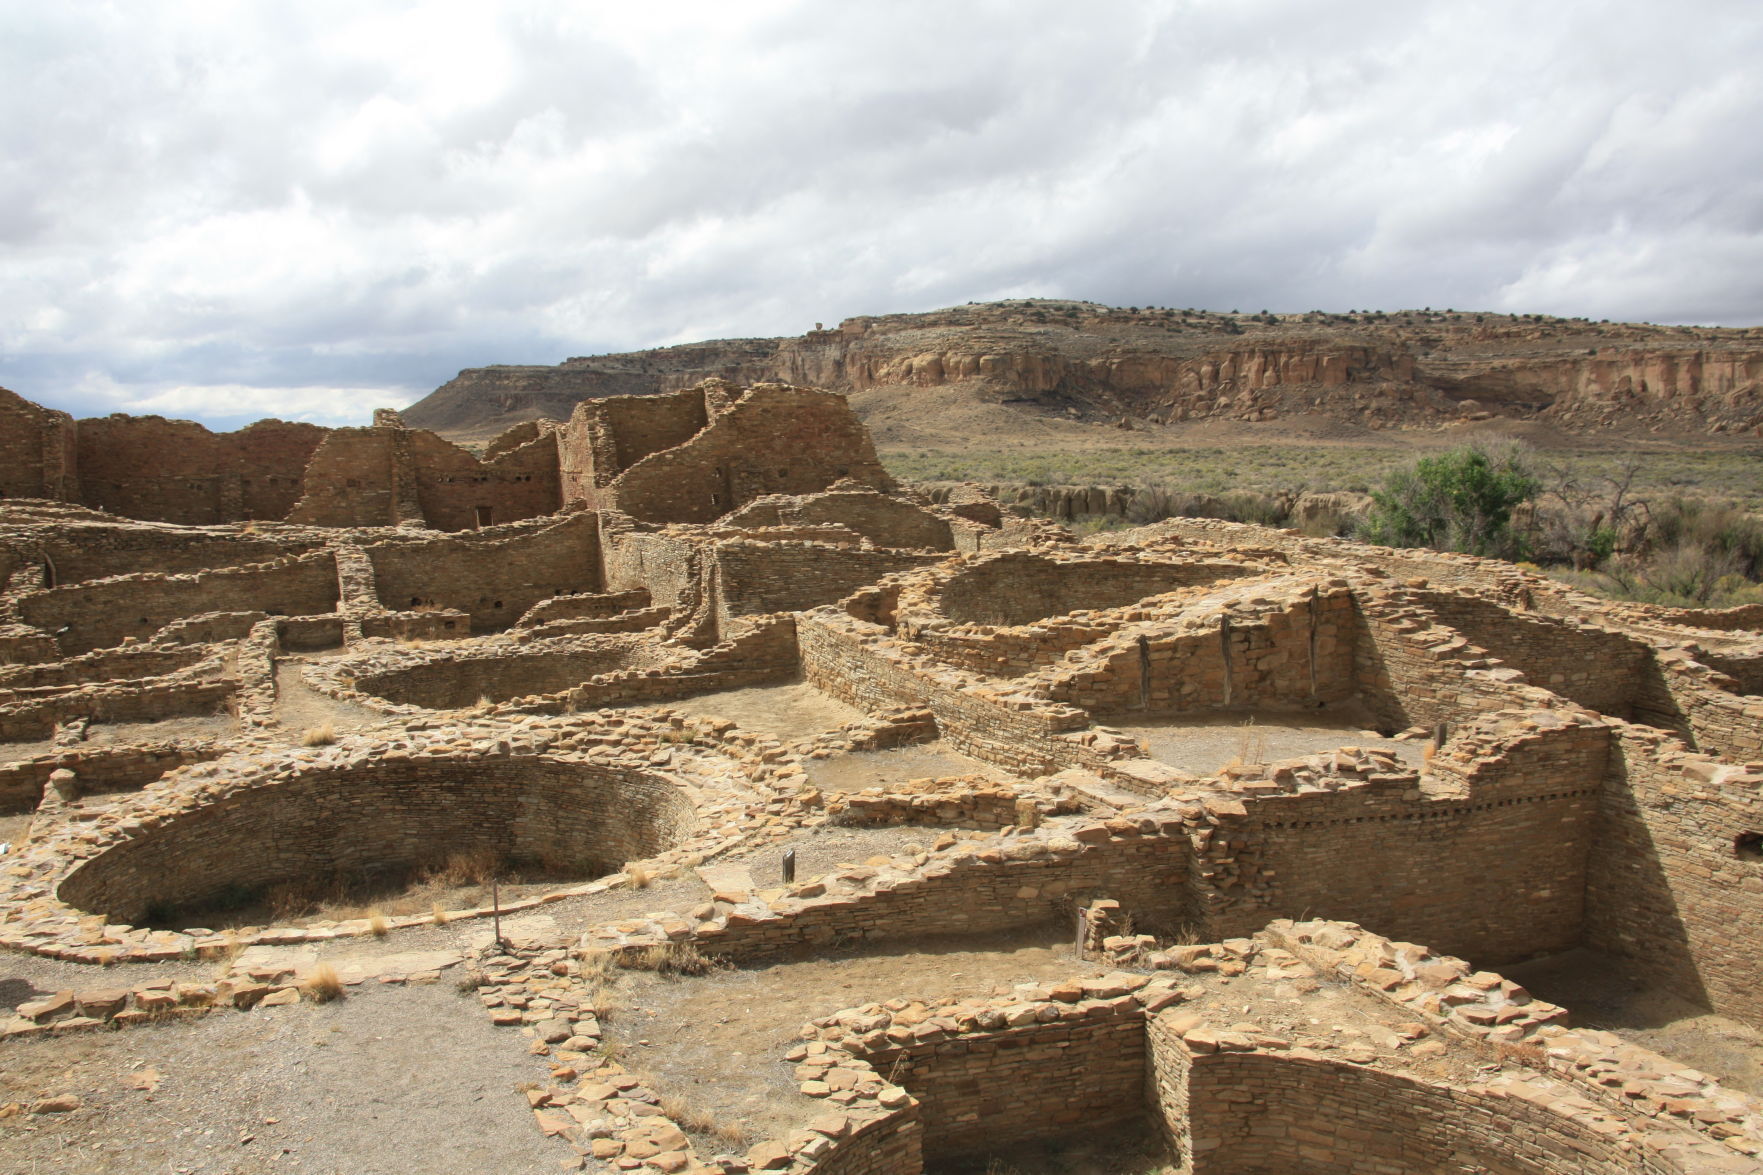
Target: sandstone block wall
x: 177, y: 471
x: 102, y: 612
x: 494, y: 577
x: 1488, y: 861
x: 1670, y: 887
x: 38, y: 458
x: 398, y: 814
x: 1253, y: 1112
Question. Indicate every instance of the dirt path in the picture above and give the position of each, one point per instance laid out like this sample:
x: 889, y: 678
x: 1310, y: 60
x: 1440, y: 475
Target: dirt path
x: 1204, y: 745
x: 861, y: 769
x: 788, y: 712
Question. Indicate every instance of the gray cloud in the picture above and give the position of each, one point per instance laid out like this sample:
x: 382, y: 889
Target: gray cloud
x: 324, y: 206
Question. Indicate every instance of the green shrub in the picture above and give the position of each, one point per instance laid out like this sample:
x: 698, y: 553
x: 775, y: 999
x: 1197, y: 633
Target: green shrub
x: 1461, y: 500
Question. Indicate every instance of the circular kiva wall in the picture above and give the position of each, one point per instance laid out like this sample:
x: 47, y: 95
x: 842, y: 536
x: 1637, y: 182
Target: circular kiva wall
x: 452, y: 682
x: 585, y: 820
x: 1021, y: 589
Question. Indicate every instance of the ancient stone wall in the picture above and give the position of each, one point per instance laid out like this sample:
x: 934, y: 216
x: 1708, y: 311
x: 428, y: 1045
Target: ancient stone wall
x: 1261, y: 1112
x: 456, y: 491
x: 1673, y: 885
x: 1486, y: 860
x: 1269, y: 655
x: 177, y: 471
x: 496, y: 576
x: 885, y: 520
x: 38, y: 458
x: 755, y: 577
x: 1021, y: 587
x: 772, y: 440
x: 1595, y: 667
x: 608, y: 435
x: 583, y: 819
x: 987, y: 1091
x: 101, y: 613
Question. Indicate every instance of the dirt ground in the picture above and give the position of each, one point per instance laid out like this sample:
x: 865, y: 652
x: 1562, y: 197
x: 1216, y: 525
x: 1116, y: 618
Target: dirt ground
x: 1202, y: 745
x: 718, y: 1040
x: 861, y: 769
x: 386, y: 1081
x: 1131, y: 1147
x: 299, y: 707
x: 788, y: 712
x: 1600, y: 993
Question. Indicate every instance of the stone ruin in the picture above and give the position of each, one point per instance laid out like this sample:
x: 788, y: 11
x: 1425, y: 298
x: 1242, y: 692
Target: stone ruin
x: 1506, y: 769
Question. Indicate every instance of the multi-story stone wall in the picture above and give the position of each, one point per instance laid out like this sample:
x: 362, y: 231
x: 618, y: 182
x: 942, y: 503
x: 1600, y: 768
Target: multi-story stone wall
x: 38, y: 458
x: 754, y: 577
x: 1675, y: 882
x: 177, y: 471
x: 609, y: 434
x: 772, y: 439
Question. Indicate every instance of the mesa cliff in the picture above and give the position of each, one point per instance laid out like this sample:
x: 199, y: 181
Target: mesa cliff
x: 1021, y: 364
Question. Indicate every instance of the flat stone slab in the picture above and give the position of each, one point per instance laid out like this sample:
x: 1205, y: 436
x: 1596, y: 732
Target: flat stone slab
x: 728, y: 882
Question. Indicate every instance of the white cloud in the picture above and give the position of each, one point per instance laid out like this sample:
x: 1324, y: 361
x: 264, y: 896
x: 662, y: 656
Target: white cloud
x: 330, y: 204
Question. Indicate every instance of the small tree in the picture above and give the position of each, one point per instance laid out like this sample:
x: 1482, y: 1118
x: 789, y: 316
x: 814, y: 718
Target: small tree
x: 1458, y: 501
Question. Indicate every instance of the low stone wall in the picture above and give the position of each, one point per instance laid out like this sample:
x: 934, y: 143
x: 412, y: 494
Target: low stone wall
x: 152, y: 699
x: 392, y: 816
x: 97, y: 769
x: 101, y: 613
x: 455, y: 678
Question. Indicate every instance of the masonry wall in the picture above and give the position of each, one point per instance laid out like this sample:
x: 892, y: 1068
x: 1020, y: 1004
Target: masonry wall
x: 101, y: 613
x: 1254, y: 1112
x: 1592, y: 666
x: 1302, y: 654
x: 607, y: 435
x: 983, y: 1092
x: 754, y: 578
x: 452, y: 682
x: 495, y: 576
x: 773, y: 440
x: 81, y: 551
x: 1023, y: 587
x: 37, y: 453
x: 350, y: 481
x: 1412, y: 671
x: 1669, y: 889
x: 100, y: 769
x: 1147, y: 874
x: 885, y: 521
x: 585, y: 819
x: 841, y: 659
x: 177, y: 471
x: 456, y: 491
x: 1490, y: 863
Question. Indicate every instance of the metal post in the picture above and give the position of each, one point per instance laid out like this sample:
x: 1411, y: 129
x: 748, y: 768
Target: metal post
x: 496, y: 909
x: 789, y: 866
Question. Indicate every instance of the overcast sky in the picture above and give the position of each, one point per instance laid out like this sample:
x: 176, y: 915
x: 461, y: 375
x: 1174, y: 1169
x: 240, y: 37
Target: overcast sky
x: 226, y: 211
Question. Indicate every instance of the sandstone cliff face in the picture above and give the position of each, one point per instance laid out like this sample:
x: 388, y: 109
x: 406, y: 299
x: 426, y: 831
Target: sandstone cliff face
x: 1091, y: 362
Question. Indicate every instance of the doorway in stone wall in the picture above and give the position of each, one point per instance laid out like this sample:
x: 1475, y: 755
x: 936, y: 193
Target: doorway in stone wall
x: 483, y: 517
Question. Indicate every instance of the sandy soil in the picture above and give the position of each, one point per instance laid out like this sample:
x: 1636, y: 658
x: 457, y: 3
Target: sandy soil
x: 299, y: 707
x: 718, y: 1041
x: 788, y: 712
x: 387, y: 1080
x: 1204, y: 744
x: 861, y: 769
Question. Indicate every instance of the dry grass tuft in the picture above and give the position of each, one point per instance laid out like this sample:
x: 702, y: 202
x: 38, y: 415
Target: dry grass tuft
x: 674, y: 958
x: 703, y: 1123
x: 469, y: 981
x: 638, y: 876
x: 439, y: 913
x: 323, y: 985
x: 377, y: 924
x: 319, y: 736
